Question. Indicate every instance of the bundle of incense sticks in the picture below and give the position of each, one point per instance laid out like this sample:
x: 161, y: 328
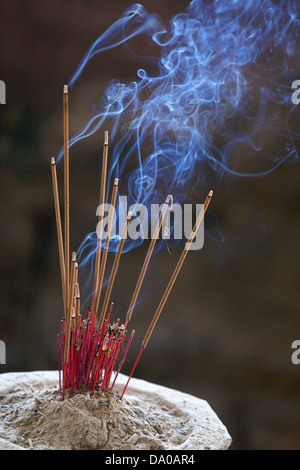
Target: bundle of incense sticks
x: 88, y: 349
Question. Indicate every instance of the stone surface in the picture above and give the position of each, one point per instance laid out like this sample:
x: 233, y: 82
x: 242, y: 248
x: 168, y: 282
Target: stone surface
x: 200, y: 427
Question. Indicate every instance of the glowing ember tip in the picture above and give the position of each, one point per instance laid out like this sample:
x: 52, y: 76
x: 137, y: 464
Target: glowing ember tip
x: 105, y: 138
x: 66, y: 89
x: 210, y: 193
x: 169, y: 201
x: 77, y: 290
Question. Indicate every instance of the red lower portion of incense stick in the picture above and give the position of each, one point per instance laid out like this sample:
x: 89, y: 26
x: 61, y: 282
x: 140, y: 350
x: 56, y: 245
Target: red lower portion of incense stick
x: 92, y: 354
x: 123, y: 359
x: 132, y: 371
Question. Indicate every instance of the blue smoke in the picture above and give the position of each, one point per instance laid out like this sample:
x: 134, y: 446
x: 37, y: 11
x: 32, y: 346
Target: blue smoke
x: 225, y: 66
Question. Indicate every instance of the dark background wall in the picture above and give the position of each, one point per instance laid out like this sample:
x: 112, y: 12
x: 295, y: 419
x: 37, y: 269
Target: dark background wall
x: 227, y: 329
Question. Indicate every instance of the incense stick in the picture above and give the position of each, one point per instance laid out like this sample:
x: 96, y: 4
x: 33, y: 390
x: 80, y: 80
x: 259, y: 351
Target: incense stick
x: 114, y: 270
x: 73, y: 326
x: 123, y: 358
x: 58, y: 228
x: 167, y: 205
x: 177, y: 269
x: 77, y: 302
x: 101, y: 216
x: 76, y: 274
x: 59, y: 362
x: 106, y: 246
x: 170, y: 285
x: 66, y: 190
x: 69, y: 309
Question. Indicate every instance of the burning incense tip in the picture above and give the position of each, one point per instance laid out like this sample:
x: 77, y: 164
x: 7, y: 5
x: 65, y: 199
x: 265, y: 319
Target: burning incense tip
x: 129, y: 215
x: 66, y: 89
x: 77, y: 290
x: 52, y: 161
x: 116, y: 182
x: 210, y: 193
x: 74, y: 258
x: 169, y: 200
x: 105, y: 138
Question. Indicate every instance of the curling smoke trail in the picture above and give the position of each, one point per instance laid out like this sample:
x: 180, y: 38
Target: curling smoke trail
x: 223, y: 77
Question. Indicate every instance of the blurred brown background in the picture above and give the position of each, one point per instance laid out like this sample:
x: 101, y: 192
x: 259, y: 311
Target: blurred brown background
x: 227, y: 328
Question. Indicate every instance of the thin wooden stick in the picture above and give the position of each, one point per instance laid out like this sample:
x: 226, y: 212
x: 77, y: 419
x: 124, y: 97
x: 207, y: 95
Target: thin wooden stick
x: 59, y: 362
x: 167, y: 205
x: 106, y: 246
x: 69, y: 309
x: 66, y: 191
x: 73, y: 326
x: 72, y: 281
x: 76, y: 274
x: 114, y: 270
x: 170, y: 285
x: 59, y: 229
x: 177, y: 269
x: 101, y: 217
x: 123, y: 358
x: 77, y: 302
x: 132, y: 371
